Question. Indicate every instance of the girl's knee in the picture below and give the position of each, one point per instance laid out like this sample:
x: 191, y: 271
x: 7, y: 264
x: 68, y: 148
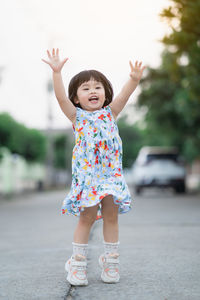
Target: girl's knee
x: 88, y: 217
x: 110, y: 218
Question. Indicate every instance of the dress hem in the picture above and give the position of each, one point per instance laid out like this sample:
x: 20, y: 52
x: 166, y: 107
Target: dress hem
x: 98, y: 217
x: 65, y: 211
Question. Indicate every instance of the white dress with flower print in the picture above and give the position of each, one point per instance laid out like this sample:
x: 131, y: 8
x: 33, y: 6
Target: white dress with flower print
x: 96, y: 164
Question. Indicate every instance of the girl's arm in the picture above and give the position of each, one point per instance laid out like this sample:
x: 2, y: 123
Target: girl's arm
x: 56, y: 65
x: 120, y: 101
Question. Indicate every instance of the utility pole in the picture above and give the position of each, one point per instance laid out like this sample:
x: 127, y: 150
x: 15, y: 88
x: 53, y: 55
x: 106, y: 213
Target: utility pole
x: 1, y: 69
x: 50, y: 150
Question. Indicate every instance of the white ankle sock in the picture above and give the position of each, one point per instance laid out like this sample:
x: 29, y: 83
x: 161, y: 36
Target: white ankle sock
x: 80, y: 249
x: 110, y: 248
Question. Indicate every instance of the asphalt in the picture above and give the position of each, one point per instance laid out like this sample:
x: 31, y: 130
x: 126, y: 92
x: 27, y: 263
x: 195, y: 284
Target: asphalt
x: 159, y: 249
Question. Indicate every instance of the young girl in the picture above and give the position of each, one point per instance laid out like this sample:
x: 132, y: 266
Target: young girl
x: 98, y: 187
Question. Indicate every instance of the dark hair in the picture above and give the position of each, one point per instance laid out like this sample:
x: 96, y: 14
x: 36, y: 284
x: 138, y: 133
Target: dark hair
x: 85, y: 76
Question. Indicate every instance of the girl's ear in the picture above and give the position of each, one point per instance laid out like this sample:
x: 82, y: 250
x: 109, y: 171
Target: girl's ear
x: 76, y: 100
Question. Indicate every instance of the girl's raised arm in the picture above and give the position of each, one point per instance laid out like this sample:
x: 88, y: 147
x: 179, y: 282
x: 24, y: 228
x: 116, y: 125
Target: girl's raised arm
x: 120, y: 101
x: 56, y: 65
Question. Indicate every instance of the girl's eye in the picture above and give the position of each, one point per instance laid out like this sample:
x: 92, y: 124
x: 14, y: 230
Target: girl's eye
x: 85, y: 89
x: 98, y: 87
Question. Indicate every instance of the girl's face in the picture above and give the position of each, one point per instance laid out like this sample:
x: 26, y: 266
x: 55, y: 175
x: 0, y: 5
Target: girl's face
x: 91, y: 95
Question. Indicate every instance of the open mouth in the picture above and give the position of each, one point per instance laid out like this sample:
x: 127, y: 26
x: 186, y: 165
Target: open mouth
x: 93, y: 99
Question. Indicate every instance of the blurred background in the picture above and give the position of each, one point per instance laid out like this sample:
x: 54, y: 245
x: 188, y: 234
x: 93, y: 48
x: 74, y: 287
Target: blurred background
x: 36, y: 139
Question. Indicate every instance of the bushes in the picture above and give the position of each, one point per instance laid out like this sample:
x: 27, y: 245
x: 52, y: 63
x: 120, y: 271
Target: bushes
x: 29, y: 143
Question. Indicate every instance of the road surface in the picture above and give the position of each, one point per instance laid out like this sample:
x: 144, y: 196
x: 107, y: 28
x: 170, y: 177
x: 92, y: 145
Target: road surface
x: 159, y: 249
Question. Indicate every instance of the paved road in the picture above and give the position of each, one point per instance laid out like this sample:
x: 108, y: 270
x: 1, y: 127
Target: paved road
x: 159, y: 250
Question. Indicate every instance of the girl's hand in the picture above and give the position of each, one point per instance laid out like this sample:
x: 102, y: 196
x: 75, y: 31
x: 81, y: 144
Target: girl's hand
x: 137, y: 71
x: 54, y: 60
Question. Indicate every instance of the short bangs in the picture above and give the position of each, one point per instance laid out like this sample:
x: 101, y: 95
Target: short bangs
x: 85, y: 76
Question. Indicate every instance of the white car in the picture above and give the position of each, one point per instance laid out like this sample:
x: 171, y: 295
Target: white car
x: 157, y: 167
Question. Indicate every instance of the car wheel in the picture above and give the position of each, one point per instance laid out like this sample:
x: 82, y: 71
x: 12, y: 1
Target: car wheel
x: 180, y: 188
x: 138, y: 190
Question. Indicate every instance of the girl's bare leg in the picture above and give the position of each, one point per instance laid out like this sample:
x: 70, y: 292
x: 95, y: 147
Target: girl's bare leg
x: 110, y: 220
x: 86, y: 220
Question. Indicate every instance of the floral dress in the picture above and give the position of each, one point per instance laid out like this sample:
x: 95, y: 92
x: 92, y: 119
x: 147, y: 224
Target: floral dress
x: 96, y: 164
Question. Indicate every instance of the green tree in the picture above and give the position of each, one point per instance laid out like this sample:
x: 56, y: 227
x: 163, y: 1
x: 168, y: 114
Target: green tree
x: 62, y: 152
x: 171, y: 93
x: 132, y: 139
x: 30, y: 143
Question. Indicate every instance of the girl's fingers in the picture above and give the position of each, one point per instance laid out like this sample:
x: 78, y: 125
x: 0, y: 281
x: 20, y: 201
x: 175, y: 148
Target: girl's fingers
x: 53, y: 52
x: 131, y: 65
x: 45, y: 61
x: 139, y: 64
x: 49, y: 55
x: 64, y: 60
x: 57, y: 52
x: 136, y: 64
x: 143, y: 68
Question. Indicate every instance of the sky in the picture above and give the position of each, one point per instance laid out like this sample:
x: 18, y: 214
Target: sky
x: 102, y: 35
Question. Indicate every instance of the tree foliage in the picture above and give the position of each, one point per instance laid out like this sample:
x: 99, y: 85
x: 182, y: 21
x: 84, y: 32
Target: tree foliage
x: 132, y: 141
x: 171, y: 93
x: 62, y: 152
x: 30, y: 143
